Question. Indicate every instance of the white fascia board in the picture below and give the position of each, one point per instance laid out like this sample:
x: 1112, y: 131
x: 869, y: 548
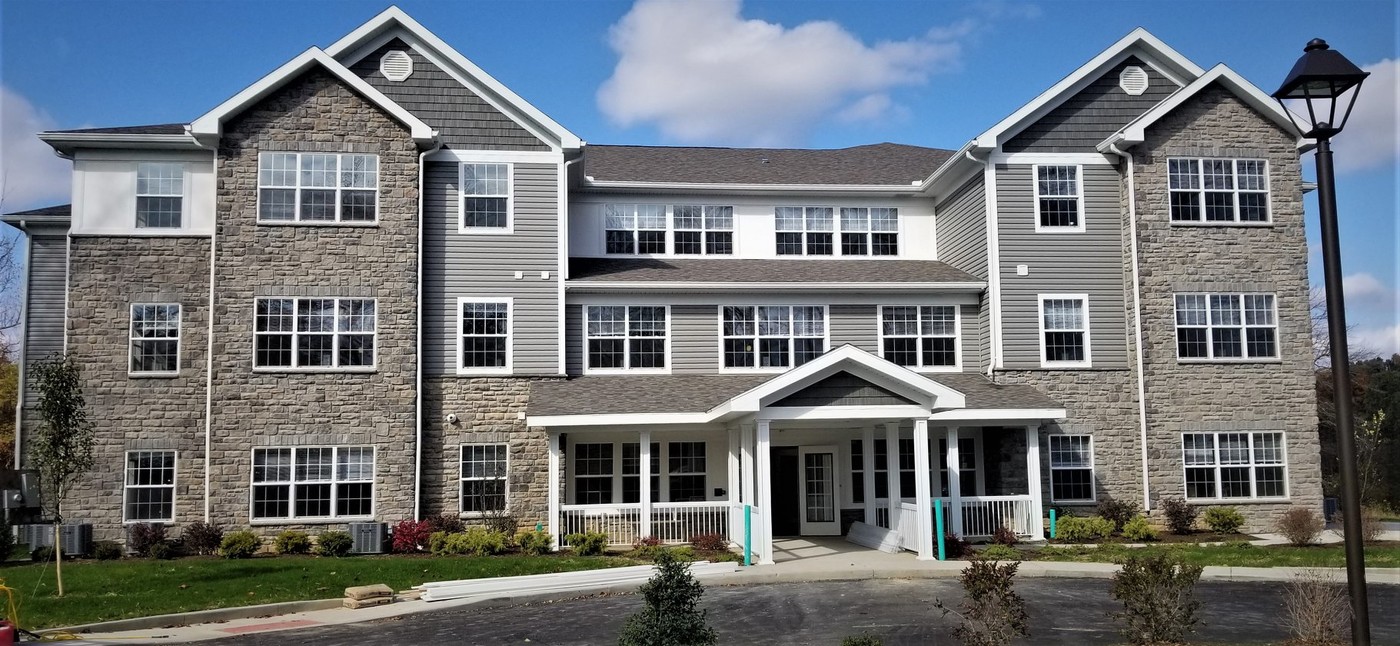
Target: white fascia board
x: 1174, y: 65
x: 810, y: 413
x: 617, y: 419
x: 583, y: 287
x: 210, y: 125
x: 485, y: 84
x: 998, y: 414
x: 65, y: 143
x: 954, y: 172
x: 845, y: 357
x: 893, y: 190
x: 522, y: 156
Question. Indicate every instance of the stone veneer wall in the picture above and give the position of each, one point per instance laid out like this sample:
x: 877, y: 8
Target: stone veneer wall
x: 315, y: 113
x: 107, y: 275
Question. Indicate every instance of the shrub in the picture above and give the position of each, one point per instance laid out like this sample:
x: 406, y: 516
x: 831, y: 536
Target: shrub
x: 334, y: 543
x: 709, y: 542
x: 1300, y: 525
x: 476, y: 541
x: 142, y: 536
x: 200, y: 537
x: 1223, y: 520
x: 992, y: 613
x: 535, y: 542
x: 588, y: 544
x: 1138, y: 529
x: 7, y: 539
x: 1371, y: 526
x: 954, y: 547
x: 1158, y: 595
x: 1317, y: 609
x: 106, y: 551
x: 240, y: 545
x: 41, y: 554
x: 862, y: 640
x: 502, y: 523
x: 410, y: 536
x: 448, y: 522
x: 292, y: 542
x: 670, y: 614
x: 164, y: 550
x: 1181, y: 516
x: 1005, y: 536
x: 1118, y: 512
x: 1083, y: 528
x: 999, y: 552
x: 647, y: 541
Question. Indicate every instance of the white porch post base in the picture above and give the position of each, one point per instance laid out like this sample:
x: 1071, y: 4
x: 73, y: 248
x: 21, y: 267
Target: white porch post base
x: 765, y: 494
x: 955, y: 523
x: 921, y: 490
x: 644, y: 524
x: 553, y: 495
x: 1033, y: 480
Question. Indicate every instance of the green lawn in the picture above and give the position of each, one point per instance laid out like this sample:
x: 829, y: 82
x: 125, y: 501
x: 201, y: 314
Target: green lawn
x: 1239, y: 555
x: 107, y: 590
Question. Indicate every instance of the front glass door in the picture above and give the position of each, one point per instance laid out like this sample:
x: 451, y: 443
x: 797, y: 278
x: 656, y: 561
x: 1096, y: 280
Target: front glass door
x: 819, y: 495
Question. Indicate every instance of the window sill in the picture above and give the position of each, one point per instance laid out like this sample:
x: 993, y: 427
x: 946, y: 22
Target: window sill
x: 485, y: 231
x: 754, y: 371
x: 166, y: 522
x: 1065, y: 366
x: 316, y: 223
x: 1040, y: 229
x: 270, y: 522
x: 315, y: 371
x: 153, y: 375
x: 473, y: 372
x: 626, y: 371
x: 1222, y: 223
x: 1232, y: 361
x: 1239, y: 501
x: 934, y: 369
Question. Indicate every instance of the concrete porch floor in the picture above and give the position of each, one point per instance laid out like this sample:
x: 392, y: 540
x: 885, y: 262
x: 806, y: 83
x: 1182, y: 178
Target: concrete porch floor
x: 834, y: 552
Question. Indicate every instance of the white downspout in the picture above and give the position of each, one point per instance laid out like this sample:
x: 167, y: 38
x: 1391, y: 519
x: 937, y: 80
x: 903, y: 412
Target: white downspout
x: 418, y: 342
x: 1137, y: 324
x: 209, y: 349
x: 989, y: 205
x: 24, y: 339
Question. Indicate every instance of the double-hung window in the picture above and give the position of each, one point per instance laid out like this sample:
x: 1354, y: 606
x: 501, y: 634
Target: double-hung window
x: 686, y: 472
x: 160, y: 195
x: 858, y: 471
x: 1232, y: 465
x: 1226, y: 327
x: 318, y: 187
x: 150, y: 487
x: 920, y: 336
x: 313, y: 482
x: 593, y: 473
x: 634, y: 228
x: 707, y: 230
x: 484, y: 471
x: 155, y: 339
x: 1059, y: 204
x: 772, y: 336
x: 1218, y: 190
x: 805, y: 230
x: 625, y: 337
x: 1064, y: 330
x: 334, y: 333
x: 485, y: 336
x: 869, y: 231
x: 967, y: 465
x: 1071, y: 468
x: 632, y: 472
x: 485, y: 203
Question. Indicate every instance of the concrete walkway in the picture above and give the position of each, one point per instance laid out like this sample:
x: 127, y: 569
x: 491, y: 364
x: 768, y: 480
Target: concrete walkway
x: 797, y: 560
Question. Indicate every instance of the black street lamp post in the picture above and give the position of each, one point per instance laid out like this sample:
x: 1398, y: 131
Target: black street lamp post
x: 1321, y: 78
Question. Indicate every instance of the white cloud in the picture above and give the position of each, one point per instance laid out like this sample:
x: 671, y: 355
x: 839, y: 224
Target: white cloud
x: 702, y: 73
x: 1375, y: 341
x: 30, y: 174
x: 1367, y: 290
x: 1371, y: 138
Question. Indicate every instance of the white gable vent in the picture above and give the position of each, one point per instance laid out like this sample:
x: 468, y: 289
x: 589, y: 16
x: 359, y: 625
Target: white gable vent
x: 396, y: 65
x: 1133, y: 80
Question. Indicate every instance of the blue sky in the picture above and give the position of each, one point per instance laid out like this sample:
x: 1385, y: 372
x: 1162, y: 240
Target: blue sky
x: 829, y: 74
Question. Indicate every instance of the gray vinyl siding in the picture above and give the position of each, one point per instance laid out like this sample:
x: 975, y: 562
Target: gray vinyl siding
x: 694, y: 339
x: 573, y: 338
x: 962, y: 228
x: 857, y: 325
x: 984, y: 332
x: 463, y: 120
x: 43, y: 328
x: 1089, y: 117
x: 844, y: 389
x: 460, y: 265
x: 1090, y: 262
x: 972, y: 339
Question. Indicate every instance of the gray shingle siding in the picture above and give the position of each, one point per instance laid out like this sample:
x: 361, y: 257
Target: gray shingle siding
x: 1090, y: 262
x: 844, y: 389
x: 462, y: 119
x: 43, y: 329
x: 1097, y: 111
x: 458, y: 265
x: 962, y: 228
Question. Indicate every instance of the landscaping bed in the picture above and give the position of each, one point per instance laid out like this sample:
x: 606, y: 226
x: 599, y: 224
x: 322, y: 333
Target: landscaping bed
x: 1384, y: 554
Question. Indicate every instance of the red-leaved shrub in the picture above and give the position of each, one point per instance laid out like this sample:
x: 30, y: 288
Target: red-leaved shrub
x: 411, y: 535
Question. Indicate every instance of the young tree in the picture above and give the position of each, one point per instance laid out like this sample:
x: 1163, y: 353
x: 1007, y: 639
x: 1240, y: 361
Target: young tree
x: 670, y: 616
x: 61, y: 450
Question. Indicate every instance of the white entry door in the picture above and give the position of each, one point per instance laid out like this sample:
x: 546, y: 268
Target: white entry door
x: 820, y: 517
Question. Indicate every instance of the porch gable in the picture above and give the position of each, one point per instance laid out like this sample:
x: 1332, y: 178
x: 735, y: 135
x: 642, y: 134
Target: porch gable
x: 844, y: 389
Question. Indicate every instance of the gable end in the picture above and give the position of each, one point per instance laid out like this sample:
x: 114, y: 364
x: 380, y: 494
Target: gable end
x: 844, y: 389
x: 1097, y: 111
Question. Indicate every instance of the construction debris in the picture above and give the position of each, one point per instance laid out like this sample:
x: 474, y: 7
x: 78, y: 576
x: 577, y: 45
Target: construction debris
x: 365, y: 596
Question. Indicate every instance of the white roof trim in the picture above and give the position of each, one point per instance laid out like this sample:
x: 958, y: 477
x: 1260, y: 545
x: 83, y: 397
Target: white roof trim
x: 1137, y: 41
x: 1136, y: 131
x: 999, y: 414
x: 64, y: 143
x: 211, y: 124
x: 696, y: 187
x: 585, y: 286
x: 487, y: 85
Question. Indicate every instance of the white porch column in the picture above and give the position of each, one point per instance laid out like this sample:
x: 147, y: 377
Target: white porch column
x: 921, y: 489
x: 731, y: 484
x: 644, y: 526
x: 553, y: 496
x: 955, y: 519
x: 764, y: 476
x: 746, y: 464
x: 892, y: 469
x: 1033, y: 478
x: 867, y: 470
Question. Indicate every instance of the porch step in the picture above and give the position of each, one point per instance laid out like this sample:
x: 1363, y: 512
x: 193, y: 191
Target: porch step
x: 515, y: 586
x: 879, y: 538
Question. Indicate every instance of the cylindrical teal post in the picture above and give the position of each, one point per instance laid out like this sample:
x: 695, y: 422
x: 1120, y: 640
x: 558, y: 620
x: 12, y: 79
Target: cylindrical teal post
x: 748, y: 535
x: 938, y: 527
x: 1052, y: 522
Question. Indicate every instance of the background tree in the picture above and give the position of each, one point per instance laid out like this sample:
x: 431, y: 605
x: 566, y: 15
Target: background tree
x: 62, y: 446
x: 9, y: 399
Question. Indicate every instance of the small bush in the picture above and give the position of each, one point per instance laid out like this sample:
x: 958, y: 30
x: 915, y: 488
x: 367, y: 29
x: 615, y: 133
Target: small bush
x: 41, y: 554
x: 1181, y: 516
x: 411, y: 536
x: 709, y: 542
x: 448, y: 522
x: 954, y: 547
x: 1138, y: 529
x: 999, y: 552
x: 106, y: 551
x: 1158, y: 595
x: 1078, y: 529
x: 142, y: 536
x: 647, y: 541
x: 334, y: 543
x: 862, y: 640
x: 1371, y: 526
x: 502, y: 523
x: 292, y: 542
x: 164, y: 550
x: 240, y: 545
x: 200, y: 537
x: 670, y: 614
x: 1317, y: 610
x: 1005, y: 536
x: 1223, y: 520
x: 476, y: 541
x: 1300, y: 525
x: 1118, y: 512
x: 587, y: 544
x: 535, y: 542
x: 992, y: 613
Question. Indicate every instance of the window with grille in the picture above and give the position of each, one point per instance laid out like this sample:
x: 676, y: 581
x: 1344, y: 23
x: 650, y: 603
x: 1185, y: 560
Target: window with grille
x: 707, y: 230
x: 313, y: 482
x: 484, y: 470
x: 806, y: 231
x: 858, y: 471
x: 1059, y: 203
x: 160, y: 195
x: 1064, y: 325
x: 1071, y: 468
x: 775, y: 336
x: 318, y: 188
x: 314, y: 333
x: 485, y: 203
x: 1226, y: 327
x: 686, y: 471
x: 150, y: 487
x: 632, y: 472
x: 919, y: 336
x: 967, y: 466
x: 1218, y: 191
x: 634, y: 228
x: 869, y: 231
x: 1230, y: 465
x: 593, y: 473
x: 625, y: 337
x: 155, y: 339
x: 485, y: 336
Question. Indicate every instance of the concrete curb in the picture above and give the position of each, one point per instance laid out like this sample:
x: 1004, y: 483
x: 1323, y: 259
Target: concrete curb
x: 202, y: 616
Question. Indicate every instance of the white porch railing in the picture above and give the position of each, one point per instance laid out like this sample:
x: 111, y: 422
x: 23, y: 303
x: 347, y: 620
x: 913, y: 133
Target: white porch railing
x: 677, y: 522
x: 982, y: 515
x: 906, y: 522
x: 671, y: 522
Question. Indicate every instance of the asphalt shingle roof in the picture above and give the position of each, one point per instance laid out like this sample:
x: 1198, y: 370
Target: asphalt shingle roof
x: 61, y: 210
x: 883, y: 164
x: 153, y: 129
x: 764, y: 271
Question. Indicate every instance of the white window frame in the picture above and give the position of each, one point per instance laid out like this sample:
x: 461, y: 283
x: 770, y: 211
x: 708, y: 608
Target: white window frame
x: 805, y: 231
x: 792, y: 348
x: 704, y: 473
x: 869, y: 231
x: 612, y: 477
x: 919, y: 365
x: 127, y: 486
x: 627, y: 353
x: 297, y: 189
x: 183, y: 179
x: 705, y: 230
x: 296, y: 335
x: 1078, y: 198
x: 1040, y: 324
x: 133, y: 338
x: 1211, y: 326
x: 291, y: 484
x: 1253, y: 465
x: 462, y: 199
x: 462, y: 369
x: 633, y: 210
x: 1093, y: 487
x: 1235, y: 191
x: 463, y: 479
